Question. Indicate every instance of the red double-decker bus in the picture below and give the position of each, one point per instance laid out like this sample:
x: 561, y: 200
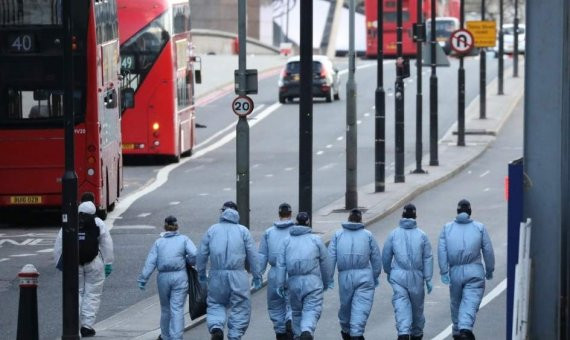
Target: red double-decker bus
x: 409, y: 15
x: 31, y: 102
x: 157, y: 64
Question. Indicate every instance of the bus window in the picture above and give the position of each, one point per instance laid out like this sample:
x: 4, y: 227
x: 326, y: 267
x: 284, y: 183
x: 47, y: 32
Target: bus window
x: 22, y: 105
x: 30, y: 12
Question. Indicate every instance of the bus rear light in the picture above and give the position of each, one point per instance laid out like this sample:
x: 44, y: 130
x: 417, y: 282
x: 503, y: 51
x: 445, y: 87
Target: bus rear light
x: 91, y: 160
x: 139, y: 146
x: 155, y: 126
x: 90, y: 172
x: 91, y: 148
x: 156, y: 143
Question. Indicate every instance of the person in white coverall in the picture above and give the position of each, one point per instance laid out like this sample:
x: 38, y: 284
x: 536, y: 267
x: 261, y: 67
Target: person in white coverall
x: 92, y: 274
x: 169, y: 255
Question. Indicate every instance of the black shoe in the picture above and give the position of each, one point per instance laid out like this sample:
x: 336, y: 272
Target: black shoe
x: 345, y: 336
x: 281, y: 336
x: 456, y: 337
x: 306, y: 335
x: 159, y: 337
x: 217, y: 334
x: 417, y: 337
x: 465, y: 334
x: 87, y: 332
x: 404, y: 337
x: 360, y: 337
x: 289, y: 328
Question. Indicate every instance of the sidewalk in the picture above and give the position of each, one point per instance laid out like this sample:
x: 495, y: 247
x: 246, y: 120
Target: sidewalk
x: 141, y: 321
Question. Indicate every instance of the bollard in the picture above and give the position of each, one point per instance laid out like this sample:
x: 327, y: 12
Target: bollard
x: 28, y: 307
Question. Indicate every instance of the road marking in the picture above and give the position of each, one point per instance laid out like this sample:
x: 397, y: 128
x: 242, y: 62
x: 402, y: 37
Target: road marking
x: 326, y: 167
x: 485, y: 174
x: 48, y: 250
x: 255, y: 166
x: 328, y: 146
x: 320, y: 152
x: 203, y: 194
x: 22, y: 255
x: 227, y: 189
x: 340, y: 138
x: 289, y: 169
x: 4, y: 259
x: 488, y: 298
x: 358, y: 122
x: 16, y: 243
x: 486, y: 189
x: 143, y: 215
x: 174, y: 203
x: 132, y: 227
x: 35, y: 242
x: 162, y: 175
x: 269, y: 175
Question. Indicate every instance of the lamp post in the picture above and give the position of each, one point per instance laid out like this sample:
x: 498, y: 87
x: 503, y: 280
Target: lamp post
x: 419, y: 97
x: 380, y: 106
x: 461, y: 86
x: 483, y: 74
x: 433, y: 154
x: 501, y: 50
x: 399, y: 98
x: 516, y: 42
x: 351, y: 195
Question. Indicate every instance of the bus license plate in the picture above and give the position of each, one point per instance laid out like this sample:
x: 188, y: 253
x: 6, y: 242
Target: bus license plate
x: 26, y: 200
x: 128, y: 146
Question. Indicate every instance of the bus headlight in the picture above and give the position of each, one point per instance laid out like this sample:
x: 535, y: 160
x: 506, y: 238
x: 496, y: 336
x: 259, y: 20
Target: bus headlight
x: 156, y: 143
x: 90, y: 172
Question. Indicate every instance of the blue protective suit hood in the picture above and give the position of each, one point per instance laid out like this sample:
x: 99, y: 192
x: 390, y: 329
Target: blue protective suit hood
x: 352, y: 225
x: 298, y: 230
x: 408, y: 223
x: 230, y: 215
x: 283, y: 224
x: 169, y: 233
x: 463, y: 218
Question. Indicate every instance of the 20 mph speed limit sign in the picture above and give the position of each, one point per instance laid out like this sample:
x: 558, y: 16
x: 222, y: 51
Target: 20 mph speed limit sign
x: 462, y: 41
x: 242, y: 106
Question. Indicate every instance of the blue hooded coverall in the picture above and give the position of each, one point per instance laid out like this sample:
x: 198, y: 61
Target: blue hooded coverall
x: 303, y: 259
x: 279, y: 308
x: 459, y: 255
x: 357, y: 255
x: 228, y: 244
x: 170, y: 254
x: 408, y: 261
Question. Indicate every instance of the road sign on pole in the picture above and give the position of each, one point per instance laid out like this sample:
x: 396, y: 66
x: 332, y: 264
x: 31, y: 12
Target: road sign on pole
x: 484, y: 32
x: 242, y: 106
x: 462, y: 41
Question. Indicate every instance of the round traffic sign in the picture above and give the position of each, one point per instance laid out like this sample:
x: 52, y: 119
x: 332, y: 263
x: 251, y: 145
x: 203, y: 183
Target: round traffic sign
x: 462, y: 41
x: 242, y: 106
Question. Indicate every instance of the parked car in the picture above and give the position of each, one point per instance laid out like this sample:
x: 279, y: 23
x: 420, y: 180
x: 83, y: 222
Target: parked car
x: 326, y: 81
x: 509, y: 39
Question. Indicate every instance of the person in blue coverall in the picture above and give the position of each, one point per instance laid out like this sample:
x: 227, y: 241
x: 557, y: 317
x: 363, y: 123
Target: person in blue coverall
x: 228, y: 245
x: 461, y: 243
x: 408, y: 262
x: 278, y: 307
x: 356, y: 253
x: 170, y: 254
x: 303, y: 262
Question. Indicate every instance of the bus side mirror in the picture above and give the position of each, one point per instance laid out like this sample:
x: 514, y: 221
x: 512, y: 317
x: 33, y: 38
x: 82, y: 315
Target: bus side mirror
x: 198, y: 76
x: 197, y: 61
x: 127, y: 98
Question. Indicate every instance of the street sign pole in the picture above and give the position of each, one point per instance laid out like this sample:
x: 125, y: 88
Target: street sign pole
x: 483, y: 74
x: 399, y: 176
x: 501, y: 49
x: 70, y: 248
x: 419, y: 97
x: 242, y: 127
x: 433, y: 152
x: 380, y: 107
x: 516, y: 42
x: 351, y: 195
x: 461, y: 87
x: 306, y: 110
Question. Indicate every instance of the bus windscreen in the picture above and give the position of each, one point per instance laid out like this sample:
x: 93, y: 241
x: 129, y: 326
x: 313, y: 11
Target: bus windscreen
x: 30, y: 12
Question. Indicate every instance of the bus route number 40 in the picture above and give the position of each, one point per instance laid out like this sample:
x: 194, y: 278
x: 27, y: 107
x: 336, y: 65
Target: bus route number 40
x: 242, y: 106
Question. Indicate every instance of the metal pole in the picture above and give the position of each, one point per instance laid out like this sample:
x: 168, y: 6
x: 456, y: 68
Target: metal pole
x: 70, y: 251
x: 461, y: 87
x: 242, y: 127
x: 501, y: 49
x: 483, y: 75
x: 380, y: 107
x: 433, y: 154
x: 351, y: 195
x: 287, y: 23
x: 399, y: 98
x: 516, y: 42
x: 306, y: 110
x: 419, y: 96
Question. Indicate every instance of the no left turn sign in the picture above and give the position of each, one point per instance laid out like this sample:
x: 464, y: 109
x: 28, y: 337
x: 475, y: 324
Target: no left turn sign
x: 462, y: 41
x: 242, y: 106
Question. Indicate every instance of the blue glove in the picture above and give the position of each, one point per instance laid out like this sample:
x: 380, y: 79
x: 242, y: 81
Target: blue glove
x: 445, y: 279
x: 141, y: 285
x: 256, y: 283
x: 202, y: 278
x: 376, y: 283
x: 281, y: 292
x: 489, y: 275
x: 108, y: 269
x: 429, y: 286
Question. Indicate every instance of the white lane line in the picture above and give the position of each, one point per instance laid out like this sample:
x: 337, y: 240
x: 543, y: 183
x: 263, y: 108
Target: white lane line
x: 48, y: 250
x: 289, y: 169
x: 488, y: 298
x: 469, y: 172
x: 326, y: 167
x: 358, y: 122
x: 162, y: 175
x: 4, y: 259
x: 486, y: 189
x: 269, y: 175
x: 227, y: 189
x: 132, y: 227
x: 22, y: 255
x: 143, y: 215
x: 255, y: 166
x: 203, y: 194
x: 367, y: 114
x: 485, y: 174
x: 320, y: 152
x: 329, y: 146
x: 174, y: 203
x: 340, y: 138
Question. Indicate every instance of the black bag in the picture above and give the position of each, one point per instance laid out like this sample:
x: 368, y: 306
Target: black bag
x: 197, y: 294
x: 88, y: 237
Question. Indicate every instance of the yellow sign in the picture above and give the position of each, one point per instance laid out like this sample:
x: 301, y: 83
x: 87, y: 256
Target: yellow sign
x: 484, y: 32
